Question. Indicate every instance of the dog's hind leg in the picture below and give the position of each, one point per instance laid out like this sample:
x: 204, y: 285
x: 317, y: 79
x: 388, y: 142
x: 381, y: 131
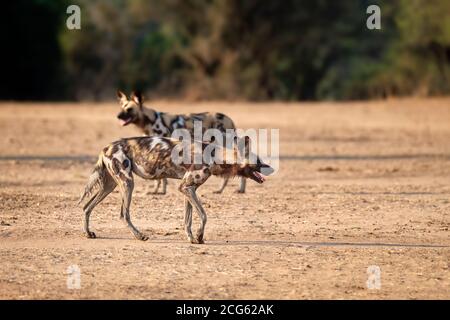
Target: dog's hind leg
x: 107, y: 188
x: 126, y: 186
x: 188, y: 219
x: 156, y: 187
x: 87, y: 209
x: 224, y: 184
x: 120, y: 168
x: 156, y: 184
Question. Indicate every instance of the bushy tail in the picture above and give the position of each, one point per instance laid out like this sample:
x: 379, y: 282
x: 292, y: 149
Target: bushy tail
x: 96, y: 179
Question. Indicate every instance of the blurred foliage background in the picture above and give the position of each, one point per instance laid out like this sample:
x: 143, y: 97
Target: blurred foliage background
x: 225, y: 49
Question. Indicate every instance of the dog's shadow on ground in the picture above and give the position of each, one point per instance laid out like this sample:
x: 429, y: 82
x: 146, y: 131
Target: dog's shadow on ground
x: 318, y: 244
x: 280, y: 243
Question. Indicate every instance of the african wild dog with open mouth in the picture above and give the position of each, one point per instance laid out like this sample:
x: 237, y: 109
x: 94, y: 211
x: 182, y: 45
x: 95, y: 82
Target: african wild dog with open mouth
x: 162, y: 124
x: 152, y: 158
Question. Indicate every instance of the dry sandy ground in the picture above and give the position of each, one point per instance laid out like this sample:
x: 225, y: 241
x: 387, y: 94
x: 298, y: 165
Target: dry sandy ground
x: 359, y: 184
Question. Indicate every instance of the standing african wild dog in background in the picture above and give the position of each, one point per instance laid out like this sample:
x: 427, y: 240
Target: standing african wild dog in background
x: 152, y: 158
x: 162, y: 124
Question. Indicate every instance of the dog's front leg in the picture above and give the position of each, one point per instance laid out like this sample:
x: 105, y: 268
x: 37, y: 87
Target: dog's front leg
x: 242, y: 186
x: 189, y: 184
x: 164, y: 186
x: 193, y: 199
x: 224, y: 184
x: 188, y: 219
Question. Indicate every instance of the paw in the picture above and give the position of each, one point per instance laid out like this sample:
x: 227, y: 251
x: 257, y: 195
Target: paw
x: 90, y: 235
x: 155, y: 193
x: 142, y: 237
x: 200, y: 239
x: 196, y: 241
x: 239, y: 191
x: 217, y: 191
x: 191, y: 239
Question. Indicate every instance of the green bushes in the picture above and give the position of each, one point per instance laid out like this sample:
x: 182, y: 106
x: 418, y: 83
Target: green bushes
x: 232, y: 49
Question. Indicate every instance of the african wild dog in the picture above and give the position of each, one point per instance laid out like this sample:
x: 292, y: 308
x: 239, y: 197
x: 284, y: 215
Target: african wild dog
x: 162, y: 124
x: 151, y: 158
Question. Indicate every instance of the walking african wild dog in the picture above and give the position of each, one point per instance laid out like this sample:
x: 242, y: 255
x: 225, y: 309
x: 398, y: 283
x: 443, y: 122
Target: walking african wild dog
x: 152, y: 158
x: 162, y: 124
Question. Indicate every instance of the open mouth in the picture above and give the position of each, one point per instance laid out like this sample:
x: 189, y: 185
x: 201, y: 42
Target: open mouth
x: 258, y: 177
x: 124, y: 122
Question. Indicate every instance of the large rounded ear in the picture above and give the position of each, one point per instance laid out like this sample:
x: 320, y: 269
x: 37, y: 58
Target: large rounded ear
x: 121, y: 97
x: 136, y: 96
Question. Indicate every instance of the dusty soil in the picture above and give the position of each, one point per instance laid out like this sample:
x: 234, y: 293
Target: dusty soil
x: 359, y: 184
